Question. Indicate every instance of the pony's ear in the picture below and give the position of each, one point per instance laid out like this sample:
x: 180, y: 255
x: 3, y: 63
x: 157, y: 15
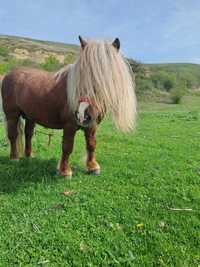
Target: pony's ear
x: 82, y: 42
x: 116, y: 44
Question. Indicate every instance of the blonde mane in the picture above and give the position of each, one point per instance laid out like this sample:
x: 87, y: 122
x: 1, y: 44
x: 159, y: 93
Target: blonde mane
x: 103, y: 75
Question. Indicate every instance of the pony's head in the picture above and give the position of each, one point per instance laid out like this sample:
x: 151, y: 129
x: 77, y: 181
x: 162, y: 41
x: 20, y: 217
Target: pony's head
x: 101, y: 81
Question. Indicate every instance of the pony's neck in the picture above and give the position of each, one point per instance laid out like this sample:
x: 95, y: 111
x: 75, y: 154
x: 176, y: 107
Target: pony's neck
x: 68, y: 74
x: 62, y: 73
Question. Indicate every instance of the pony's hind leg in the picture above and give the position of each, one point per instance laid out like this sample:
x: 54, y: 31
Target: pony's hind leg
x: 29, y: 130
x: 91, y: 163
x: 12, y: 131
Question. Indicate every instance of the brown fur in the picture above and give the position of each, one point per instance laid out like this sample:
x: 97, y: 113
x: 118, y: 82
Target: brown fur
x: 40, y: 98
x: 36, y: 94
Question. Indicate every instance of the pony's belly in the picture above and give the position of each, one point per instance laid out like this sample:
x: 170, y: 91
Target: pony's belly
x: 50, y: 125
x: 47, y: 119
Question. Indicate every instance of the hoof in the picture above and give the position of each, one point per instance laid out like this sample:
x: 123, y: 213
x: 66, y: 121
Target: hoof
x: 67, y: 174
x: 94, y: 171
x: 93, y: 167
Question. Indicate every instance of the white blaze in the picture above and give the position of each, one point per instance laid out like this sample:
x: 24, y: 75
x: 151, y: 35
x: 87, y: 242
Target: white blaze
x: 81, y: 111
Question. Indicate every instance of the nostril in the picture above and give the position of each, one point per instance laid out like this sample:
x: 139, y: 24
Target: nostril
x: 82, y: 120
x: 88, y: 118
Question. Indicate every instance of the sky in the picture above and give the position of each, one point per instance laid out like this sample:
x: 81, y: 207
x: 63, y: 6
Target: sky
x: 150, y: 31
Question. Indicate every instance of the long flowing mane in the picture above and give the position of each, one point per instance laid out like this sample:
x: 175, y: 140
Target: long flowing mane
x: 103, y: 75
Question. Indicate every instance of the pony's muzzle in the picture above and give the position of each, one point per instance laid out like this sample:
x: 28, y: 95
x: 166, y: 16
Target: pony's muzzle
x: 83, y: 114
x: 83, y: 121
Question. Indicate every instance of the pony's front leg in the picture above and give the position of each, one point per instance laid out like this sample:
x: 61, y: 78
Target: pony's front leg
x: 67, y: 147
x: 91, y: 163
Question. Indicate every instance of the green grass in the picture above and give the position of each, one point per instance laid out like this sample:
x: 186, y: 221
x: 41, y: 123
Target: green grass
x: 123, y: 216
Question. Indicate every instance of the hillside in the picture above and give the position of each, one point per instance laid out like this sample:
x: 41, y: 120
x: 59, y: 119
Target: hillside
x: 33, y: 50
x: 168, y: 77
x: 150, y: 78
x: 188, y: 71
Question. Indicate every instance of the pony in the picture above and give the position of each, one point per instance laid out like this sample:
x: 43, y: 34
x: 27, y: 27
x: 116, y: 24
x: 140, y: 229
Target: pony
x: 78, y: 96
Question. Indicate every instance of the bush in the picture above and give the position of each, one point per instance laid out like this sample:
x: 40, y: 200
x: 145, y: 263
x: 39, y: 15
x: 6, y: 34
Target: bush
x: 143, y: 83
x: 6, y: 66
x: 144, y: 86
x: 12, y: 63
x: 136, y: 66
x: 163, y: 81
x: 178, y: 92
x: 4, y: 52
x: 176, y: 96
x: 3, y: 68
x: 51, y: 64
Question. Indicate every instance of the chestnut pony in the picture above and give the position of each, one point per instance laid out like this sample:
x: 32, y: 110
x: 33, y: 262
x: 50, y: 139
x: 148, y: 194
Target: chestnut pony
x: 76, y: 97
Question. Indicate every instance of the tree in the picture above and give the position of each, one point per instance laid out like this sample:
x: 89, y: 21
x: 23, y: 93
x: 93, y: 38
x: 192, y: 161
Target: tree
x: 136, y: 66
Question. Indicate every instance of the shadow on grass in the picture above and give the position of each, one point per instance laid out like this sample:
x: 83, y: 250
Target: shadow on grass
x: 167, y: 101
x: 26, y: 172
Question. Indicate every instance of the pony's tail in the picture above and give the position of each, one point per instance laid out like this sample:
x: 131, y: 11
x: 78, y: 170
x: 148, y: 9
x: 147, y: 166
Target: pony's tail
x: 20, y: 138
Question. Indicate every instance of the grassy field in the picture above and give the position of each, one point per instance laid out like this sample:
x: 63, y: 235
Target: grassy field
x: 125, y: 216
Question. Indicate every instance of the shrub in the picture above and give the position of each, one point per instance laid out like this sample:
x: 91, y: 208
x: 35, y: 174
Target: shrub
x: 4, y: 52
x: 178, y: 92
x: 3, y: 68
x: 144, y: 86
x: 51, y: 64
x: 163, y: 81
x: 6, y: 66
x: 143, y: 83
x: 169, y: 83
x: 136, y: 66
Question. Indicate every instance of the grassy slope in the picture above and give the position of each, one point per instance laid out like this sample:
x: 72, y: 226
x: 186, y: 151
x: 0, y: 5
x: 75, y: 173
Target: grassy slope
x: 12, y: 42
x: 120, y: 218
x: 183, y: 71
x: 172, y: 66
x: 178, y: 68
